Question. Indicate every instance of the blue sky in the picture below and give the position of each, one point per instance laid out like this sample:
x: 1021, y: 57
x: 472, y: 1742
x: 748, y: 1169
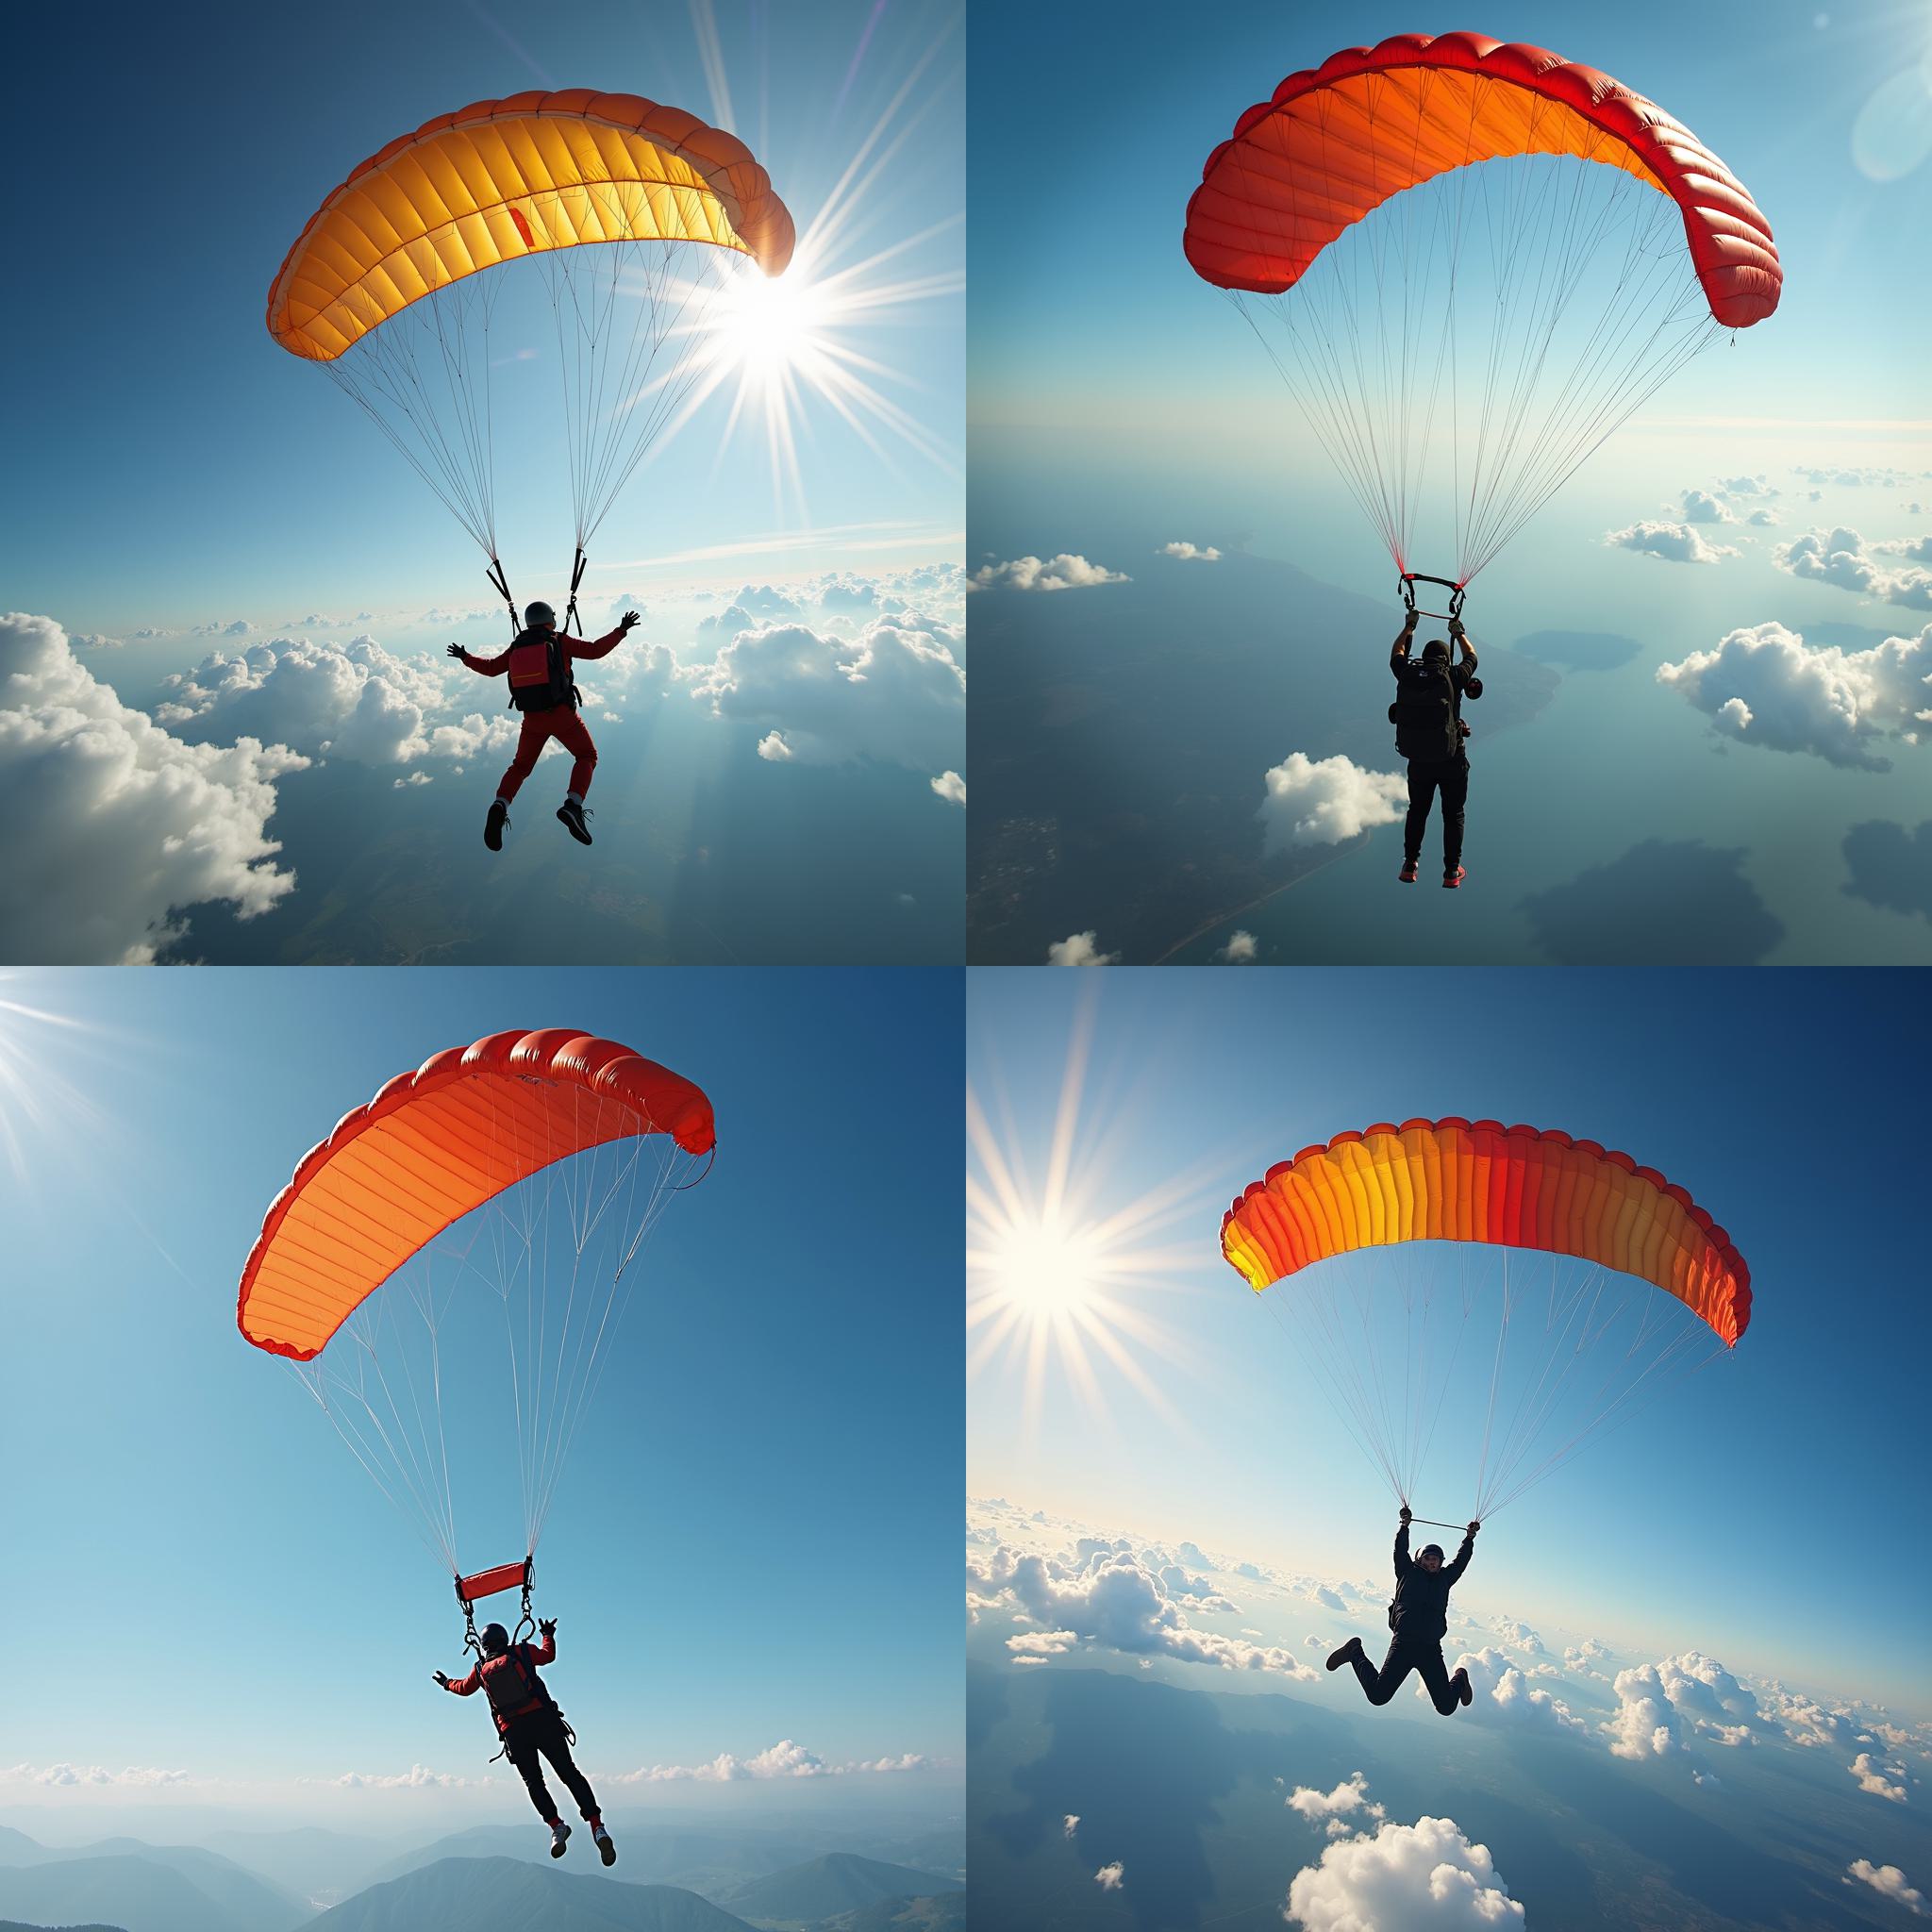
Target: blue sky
x: 1760, y: 1515
x: 757, y: 1534
x: 1119, y: 406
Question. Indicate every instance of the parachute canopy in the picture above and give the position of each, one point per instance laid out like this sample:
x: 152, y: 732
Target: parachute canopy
x: 1457, y: 1180
x: 502, y: 179
x: 432, y: 1146
x: 1471, y: 260
x: 1339, y: 140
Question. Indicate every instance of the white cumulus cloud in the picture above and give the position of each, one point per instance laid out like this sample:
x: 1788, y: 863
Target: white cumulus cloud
x: 1321, y: 804
x: 1061, y: 572
x: 1080, y: 949
x: 1420, y: 1877
x: 1674, y: 542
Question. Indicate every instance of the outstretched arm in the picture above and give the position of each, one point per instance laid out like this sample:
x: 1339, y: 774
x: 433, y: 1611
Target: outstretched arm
x: 490, y: 667
x: 462, y: 1687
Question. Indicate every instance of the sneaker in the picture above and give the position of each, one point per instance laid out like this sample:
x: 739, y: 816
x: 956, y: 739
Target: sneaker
x: 1460, y: 1683
x: 1342, y: 1653
x: 496, y: 824
x: 573, y: 815
x: 605, y: 1850
x: 1452, y: 879
x: 1407, y: 872
x: 559, y: 1837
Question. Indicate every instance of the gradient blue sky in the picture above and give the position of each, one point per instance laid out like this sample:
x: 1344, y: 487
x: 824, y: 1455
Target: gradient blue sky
x: 186, y: 469
x: 1766, y: 1514
x: 756, y: 1537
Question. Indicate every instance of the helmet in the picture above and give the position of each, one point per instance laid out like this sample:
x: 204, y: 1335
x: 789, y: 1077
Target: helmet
x: 495, y: 1639
x: 536, y: 614
x: 1435, y: 651
x: 1434, y: 1550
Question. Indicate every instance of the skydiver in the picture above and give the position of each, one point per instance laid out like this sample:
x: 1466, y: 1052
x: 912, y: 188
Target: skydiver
x: 1430, y: 733
x: 1419, y: 1617
x: 532, y: 1729
x: 537, y: 664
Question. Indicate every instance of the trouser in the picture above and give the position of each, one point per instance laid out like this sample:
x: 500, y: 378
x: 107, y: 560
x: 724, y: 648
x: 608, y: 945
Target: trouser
x: 561, y: 723
x: 1427, y: 776
x: 527, y: 1742
x: 1380, y: 1685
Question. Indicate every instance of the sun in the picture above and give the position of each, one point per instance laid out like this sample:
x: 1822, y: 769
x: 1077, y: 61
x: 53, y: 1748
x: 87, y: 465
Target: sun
x: 1048, y: 1271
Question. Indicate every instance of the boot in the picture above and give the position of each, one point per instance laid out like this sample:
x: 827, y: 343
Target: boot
x: 573, y: 815
x: 496, y: 824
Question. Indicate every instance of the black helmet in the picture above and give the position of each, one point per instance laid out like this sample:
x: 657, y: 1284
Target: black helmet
x: 495, y: 1639
x: 535, y: 615
x: 1434, y: 1550
x: 1435, y: 651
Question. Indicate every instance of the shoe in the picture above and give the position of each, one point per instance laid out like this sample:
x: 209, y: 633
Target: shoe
x: 1460, y: 1683
x: 559, y: 1837
x: 1342, y: 1651
x: 496, y: 824
x: 1452, y: 879
x: 1407, y: 872
x: 573, y: 815
x: 605, y: 1850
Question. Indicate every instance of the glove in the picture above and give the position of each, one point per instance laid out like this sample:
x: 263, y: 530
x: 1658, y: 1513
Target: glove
x: 630, y: 618
x: 1456, y: 629
x: 1473, y: 1527
x: 1406, y: 1512
x: 456, y: 650
x: 443, y: 1679
x: 546, y: 1627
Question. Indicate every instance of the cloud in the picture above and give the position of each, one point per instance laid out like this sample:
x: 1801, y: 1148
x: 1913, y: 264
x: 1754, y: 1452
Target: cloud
x: 1114, y: 1599
x: 1518, y: 1636
x: 1764, y: 518
x: 1764, y: 686
x: 1188, y: 553
x: 1420, y: 1877
x: 1321, y: 1808
x: 1748, y: 486
x: 951, y: 787
x: 772, y: 747
x: 1310, y: 804
x: 72, y: 1776
x: 784, y: 1759
x: 1703, y: 506
x: 349, y: 701
x: 417, y: 1778
x: 1111, y: 1877
x: 1080, y: 949
x: 1919, y: 549
x: 895, y: 694
x: 1890, y: 1882
x: 1881, y: 1780
x: 1658, y: 1704
x: 131, y: 826
x: 1840, y: 558
x: 1061, y: 572
x: 1674, y: 542
x: 1242, y: 949
x: 1505, y: 1696
x: 1070, y: 1824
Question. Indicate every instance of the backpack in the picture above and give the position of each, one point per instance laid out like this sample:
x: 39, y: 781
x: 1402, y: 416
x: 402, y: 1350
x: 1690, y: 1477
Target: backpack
x: 523, y: 1688
x: 1423, y: 715
x: 540, y: 678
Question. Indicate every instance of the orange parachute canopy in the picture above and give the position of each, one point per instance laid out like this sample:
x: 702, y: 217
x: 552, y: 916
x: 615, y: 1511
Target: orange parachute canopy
x: 503, y: 180
x: 1456, y: 1180
x: 1335, y: 141
x: 430, y: 1147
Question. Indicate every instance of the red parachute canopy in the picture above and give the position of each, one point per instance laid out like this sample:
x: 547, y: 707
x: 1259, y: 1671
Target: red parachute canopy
x: 1335, y: 141
x: 430, y: 1148
x: 1457, y: 1180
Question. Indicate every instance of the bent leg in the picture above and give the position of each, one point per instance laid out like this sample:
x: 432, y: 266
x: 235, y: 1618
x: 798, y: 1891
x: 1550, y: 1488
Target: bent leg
x: 574, y: 736
x: 531, y: 740
x: 557, y: 1748
x: 1435, y: 1675
x: 1455, y: 797
x: 1378, y: 1687
x: 1422, y: 792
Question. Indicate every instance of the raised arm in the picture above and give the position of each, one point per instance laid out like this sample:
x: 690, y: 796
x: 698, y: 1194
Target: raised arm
x: 1403, y: 1565
x: 1398, y: 650
x: 1454, y: 1571
x: 604, y: 645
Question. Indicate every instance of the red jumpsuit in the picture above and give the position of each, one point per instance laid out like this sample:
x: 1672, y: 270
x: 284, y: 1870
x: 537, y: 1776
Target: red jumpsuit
x: 559, y: 722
